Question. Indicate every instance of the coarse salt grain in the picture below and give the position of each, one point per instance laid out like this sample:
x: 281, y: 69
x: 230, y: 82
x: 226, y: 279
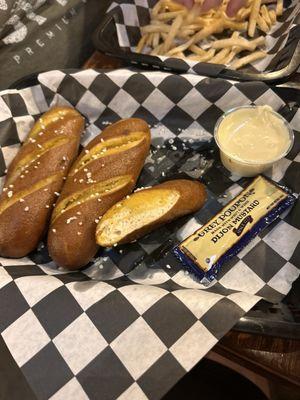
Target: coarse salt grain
x: 168, y: 266
x: 26, y: 208
x: 57, y: 194
x: 11, y: 186
x: 71, y: 219
x: 21, y: 200
x: 54, y: 230
x: 80, y: 223
x: 96, y: 220
x: 89, y: 174
x: 10, y: 193
x: 47, y: 206
x: 78, y: 213
x: 78, y: 233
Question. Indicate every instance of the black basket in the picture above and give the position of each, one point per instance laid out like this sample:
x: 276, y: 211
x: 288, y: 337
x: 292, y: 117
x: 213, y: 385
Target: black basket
x: 105, y: 40
x: 281, y: 319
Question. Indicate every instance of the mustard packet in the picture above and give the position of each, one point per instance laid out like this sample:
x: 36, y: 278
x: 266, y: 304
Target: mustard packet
x: 227, y: 233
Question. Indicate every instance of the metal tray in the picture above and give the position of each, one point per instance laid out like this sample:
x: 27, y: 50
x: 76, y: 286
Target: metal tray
x: 105, y: 40
x: 281, y: 319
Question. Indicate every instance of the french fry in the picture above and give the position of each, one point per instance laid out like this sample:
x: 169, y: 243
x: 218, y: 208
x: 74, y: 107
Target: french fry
x: 216, y: 27
x: 180, y: 48
x: 279, y: 7
x: 194, y: 13
x: 167, y: 16
x: 149, y: 40
x: 227, y: 60
x: 239, y: 42
x: 155, y: 28
x: 243, y: 13
x: 141, y: 44
x: 241, y: 62
x: 235, y: 26
x: 179, y: 55
x: 202, y: 58
x: 219, y: 57
x: 262, y: 24
x: 197, y: 50
x: 172, y: 6
x: 172, y: 33
x: 156, y: 8
x: 156, y: 50
x: 265, y: 14
x: 155, y: 40
x: 253, y: 17
x: 273, y: 16
x: 185, y: 34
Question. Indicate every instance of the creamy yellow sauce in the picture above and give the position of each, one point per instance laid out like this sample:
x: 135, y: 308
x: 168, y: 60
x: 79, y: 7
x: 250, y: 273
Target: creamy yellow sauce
x: 253, y: 135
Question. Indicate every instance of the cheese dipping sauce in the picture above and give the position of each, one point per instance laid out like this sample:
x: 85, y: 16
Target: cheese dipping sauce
x: 252, y: 138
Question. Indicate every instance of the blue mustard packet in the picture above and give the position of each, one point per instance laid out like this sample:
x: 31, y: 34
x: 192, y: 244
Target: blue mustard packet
x: 227, y: 233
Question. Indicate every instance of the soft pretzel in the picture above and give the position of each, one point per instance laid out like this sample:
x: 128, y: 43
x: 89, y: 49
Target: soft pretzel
x: 104, y: 173
x: 34, y: 180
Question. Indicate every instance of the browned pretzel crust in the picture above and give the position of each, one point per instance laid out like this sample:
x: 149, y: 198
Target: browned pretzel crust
x: 105, y: 172
x: 34, y: 179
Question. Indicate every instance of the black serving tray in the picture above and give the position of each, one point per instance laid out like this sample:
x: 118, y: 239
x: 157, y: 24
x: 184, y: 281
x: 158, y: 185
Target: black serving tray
x: 105, y: 40
x: 279, y: 319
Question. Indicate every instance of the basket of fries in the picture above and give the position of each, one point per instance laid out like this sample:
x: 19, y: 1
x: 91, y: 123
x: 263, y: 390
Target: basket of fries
x: 261, y: 42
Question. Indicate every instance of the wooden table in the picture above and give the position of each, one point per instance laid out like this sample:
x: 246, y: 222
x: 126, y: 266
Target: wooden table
x: 271, y: 363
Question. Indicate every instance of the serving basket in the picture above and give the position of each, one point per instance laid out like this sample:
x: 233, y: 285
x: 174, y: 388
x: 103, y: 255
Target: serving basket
x: 117, y: 36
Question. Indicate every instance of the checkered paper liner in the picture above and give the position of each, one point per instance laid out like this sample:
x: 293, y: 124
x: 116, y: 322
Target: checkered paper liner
x: 131, y: 15
x: 132, y: 323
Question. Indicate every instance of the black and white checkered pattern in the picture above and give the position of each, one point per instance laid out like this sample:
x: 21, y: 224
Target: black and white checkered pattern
x: 281, y: 41
x: 134, y: 322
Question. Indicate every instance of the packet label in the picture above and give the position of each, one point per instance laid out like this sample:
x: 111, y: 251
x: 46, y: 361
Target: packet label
x: 243, y: 217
